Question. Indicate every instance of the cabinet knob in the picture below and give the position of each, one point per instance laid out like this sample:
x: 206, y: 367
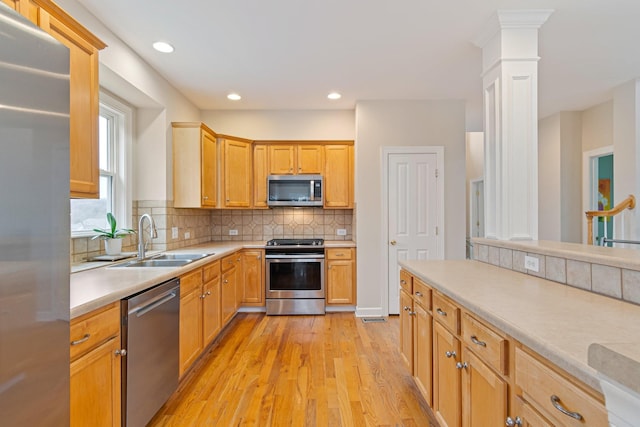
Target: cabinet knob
x: 450, y: 354
x: 412, y: 313
x: 225, y: 281
x: 120, y: 352
x: 406, y: 308
x: 205, y: 198
x: 512, y: 423
x: 208, y: 293
x: 418, y: 293
x: 403, y: 282
x: 203, y: 296
x: 464, y: 365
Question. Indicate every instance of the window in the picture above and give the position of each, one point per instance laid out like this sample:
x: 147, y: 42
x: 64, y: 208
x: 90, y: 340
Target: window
x: 115, y: 138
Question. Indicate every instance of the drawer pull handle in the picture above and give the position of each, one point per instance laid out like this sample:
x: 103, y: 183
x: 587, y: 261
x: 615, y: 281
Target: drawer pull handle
x: 440, y: 312
x: 450, y: 354
x: 555, y: 401
x: 419, y: 294
x: 464, y: 365
x: 403, y: 282
x: 512, y: 423
x: 340, y: 254
x: 81, y: 340
x: 476, y: 341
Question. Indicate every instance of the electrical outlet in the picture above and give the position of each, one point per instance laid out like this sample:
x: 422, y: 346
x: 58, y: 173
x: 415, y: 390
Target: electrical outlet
x: 187, y: 235
x: 233, y: 232
x: 174, y: 232
x: 341, y: 231
x: 531, y: 263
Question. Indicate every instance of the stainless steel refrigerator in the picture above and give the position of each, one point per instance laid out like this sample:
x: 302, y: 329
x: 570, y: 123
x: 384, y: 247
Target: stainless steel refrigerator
x: 34, y: 225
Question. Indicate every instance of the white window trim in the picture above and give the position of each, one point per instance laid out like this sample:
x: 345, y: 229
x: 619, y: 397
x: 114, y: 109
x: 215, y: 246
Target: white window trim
x: 123, y: 152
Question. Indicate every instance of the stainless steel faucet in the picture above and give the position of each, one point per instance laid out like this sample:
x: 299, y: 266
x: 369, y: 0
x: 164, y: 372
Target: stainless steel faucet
x: 141, y: 242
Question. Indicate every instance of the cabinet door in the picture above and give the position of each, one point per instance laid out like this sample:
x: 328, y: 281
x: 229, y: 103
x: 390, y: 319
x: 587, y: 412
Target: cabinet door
x: 237, y: 173
x: 281, y: 159
x: 446, y: 377
x: 406, y: 329
x: 83, y: 108
x: 310, y: 159
x: 190, y: 328
x: 95, y: 387
x: 422, y: 351
x: 253, y: 275
x: 260, y: 173
x: 209, y: 162
x: 484, y: 394
x: 211, y: 311
x: 228, y: 290
x: 340, y: 282
x: 338, y: 176
x: 527, y: 415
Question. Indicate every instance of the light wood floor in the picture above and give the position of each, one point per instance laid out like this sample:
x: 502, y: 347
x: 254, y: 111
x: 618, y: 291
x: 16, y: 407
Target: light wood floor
x: 331, y: 370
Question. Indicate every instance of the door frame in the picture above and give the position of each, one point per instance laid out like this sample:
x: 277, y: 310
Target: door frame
x: 438, y: 150
x: 472, y: 204
x: 590, y: 182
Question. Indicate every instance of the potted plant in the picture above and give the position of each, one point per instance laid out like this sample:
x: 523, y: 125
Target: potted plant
x: 112, y: 236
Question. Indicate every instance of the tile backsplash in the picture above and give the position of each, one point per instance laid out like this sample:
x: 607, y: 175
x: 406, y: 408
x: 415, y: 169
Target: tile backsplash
x: 196, y: 226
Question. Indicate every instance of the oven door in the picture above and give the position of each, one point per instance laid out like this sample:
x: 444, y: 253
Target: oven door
x: 292, y: 277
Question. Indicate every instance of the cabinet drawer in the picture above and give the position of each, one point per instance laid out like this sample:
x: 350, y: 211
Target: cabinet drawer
x: 422, y: 293
x: 190, y: 282
x: 446, y: 312
x: 211, y: 271
x: 92, y: 329
x: 540, y: 384
x: 406, y: 281
x: 490, y: 346
x: 343, y: 253
x: 228, y: 262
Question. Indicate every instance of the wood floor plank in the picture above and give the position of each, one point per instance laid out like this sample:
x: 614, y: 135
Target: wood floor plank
x: 331, y: 370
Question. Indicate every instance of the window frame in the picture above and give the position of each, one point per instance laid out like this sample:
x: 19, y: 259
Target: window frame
x: 121, y: 117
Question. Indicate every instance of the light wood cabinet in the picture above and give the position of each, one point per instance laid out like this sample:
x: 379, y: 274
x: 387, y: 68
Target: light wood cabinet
x: 253, y: 278
x: 260, y: 173
x: 338, y: 176
x: 447, y: 400
x: 340, y: 279
x: 484, y: 393
x: 527, y: 416
x: 194, y: 166
x: 296, y: 159
x: 211, y: 303
x: 236, y: 172
x: 191, y: 343
x: 406, y: 329
x: 228, y: 287
x: 423, y: 351
x: 83, y: 90
x: 95, y: 368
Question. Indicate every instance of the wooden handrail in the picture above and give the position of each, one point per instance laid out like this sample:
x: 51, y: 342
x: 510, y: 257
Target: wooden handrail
x: 628, y: 203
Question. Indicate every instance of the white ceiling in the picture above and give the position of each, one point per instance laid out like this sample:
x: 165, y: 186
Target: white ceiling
x: 289, y: 54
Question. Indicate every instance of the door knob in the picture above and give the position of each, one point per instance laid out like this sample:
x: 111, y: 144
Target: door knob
x: 393, y: 242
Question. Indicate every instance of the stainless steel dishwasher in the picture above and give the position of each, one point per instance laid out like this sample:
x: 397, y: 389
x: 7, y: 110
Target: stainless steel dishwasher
x: 150, y: 335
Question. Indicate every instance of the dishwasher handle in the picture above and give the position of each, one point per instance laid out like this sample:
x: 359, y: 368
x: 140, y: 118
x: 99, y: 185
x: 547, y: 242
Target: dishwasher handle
x: 141, y: 310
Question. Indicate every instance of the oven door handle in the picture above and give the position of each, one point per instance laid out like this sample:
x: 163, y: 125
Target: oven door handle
x: 297, y: 256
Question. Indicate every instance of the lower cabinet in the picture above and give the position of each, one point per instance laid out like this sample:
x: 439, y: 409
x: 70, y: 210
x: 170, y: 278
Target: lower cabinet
x: 481, y: 377
x: 340, y: 276
x: 95, y: 368
x: 252, y: 278
x: 229, y: 287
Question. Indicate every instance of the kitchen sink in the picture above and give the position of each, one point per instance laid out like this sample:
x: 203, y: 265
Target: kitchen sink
x: 164, y: 260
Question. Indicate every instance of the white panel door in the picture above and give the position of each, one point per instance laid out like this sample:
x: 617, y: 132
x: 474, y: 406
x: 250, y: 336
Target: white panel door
x: 413, y: 214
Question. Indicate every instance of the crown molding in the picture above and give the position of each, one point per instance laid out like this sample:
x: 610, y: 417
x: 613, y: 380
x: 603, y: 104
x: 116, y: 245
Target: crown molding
x: 510, y: 19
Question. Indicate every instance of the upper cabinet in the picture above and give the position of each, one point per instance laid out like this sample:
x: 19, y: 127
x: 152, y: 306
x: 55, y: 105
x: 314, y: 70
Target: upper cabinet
x: 84, y: 103
x: 260, y: 172
x: 338, y: 176
x: 236, y: 172
x: 194, y: 166
x: 292, y: 159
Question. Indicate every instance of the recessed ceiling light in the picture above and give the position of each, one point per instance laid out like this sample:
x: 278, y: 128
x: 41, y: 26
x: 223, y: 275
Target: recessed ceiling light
x: 234, y: 97
x: 163, y: 47
x: 334, y: 95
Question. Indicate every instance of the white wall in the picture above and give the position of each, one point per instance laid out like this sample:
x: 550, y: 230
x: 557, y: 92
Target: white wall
x: 474, y: 165
x: 597, y: 126
x: 126, y: 75
x: 283, y: 125
x: 403, y: 123
x: 549, y: 194
x: 626, y: 156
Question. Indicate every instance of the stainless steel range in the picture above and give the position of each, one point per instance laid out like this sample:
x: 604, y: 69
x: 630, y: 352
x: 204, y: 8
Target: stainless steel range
x: 295, y: 276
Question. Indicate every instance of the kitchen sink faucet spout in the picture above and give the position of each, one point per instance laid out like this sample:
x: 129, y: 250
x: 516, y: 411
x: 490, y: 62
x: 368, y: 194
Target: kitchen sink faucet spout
x: 141, y: 242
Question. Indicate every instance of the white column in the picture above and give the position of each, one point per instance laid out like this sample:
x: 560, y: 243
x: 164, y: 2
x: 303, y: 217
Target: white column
x: 510, y: 86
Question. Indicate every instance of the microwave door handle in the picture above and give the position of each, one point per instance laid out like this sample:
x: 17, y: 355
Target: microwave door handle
x: 312, y: 190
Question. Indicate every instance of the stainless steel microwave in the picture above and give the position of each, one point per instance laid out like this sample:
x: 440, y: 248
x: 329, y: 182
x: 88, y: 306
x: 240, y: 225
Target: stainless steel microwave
x: 294, y: 190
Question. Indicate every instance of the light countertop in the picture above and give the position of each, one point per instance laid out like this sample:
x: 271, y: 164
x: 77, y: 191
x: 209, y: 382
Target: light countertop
x: 102, y: 284
x: 557, y: 321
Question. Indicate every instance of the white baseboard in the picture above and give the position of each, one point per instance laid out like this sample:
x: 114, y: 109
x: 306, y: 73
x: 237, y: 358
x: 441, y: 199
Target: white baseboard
x: 370, y: 312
